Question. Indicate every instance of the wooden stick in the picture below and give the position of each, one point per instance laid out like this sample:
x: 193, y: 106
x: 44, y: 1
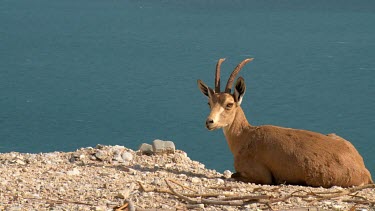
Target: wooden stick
x: 181, y: 185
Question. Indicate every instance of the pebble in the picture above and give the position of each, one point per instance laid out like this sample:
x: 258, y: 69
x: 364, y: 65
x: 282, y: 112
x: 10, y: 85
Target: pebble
x: 127, y: 156
x: 195, y: 180
x: 220, y: 181
x: 146, y: 149
x: 100, y: 208
x: 227, y: 174
x: 73, y: 172
x: 15, y: 208
x: 178, y: 158
x: 101, y: 155
x: 182, y: 176
x: 157, y: 182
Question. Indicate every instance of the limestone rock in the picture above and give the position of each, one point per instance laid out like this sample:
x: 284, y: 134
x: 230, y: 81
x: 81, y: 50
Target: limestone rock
x: 160, y: 146
x: 146, y: 149
x: 127, y: 156
x: 227, y: 174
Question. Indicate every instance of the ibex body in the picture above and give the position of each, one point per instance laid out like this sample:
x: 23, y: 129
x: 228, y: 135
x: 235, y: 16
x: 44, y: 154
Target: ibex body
x: 275, y: 155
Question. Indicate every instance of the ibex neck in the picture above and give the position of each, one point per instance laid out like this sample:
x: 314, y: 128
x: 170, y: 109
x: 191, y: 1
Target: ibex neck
x: 235, y: 132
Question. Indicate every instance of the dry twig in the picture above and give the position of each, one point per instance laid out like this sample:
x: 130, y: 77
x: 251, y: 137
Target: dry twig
x: 240, y: 200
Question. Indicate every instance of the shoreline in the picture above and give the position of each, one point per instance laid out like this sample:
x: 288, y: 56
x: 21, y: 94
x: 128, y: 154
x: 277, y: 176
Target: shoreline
x: 115, y: 177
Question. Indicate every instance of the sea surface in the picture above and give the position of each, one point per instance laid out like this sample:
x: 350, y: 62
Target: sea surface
x: 77, y: 73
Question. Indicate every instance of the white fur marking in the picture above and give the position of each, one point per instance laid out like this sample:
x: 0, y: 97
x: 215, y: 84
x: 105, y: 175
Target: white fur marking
x: 218, y: 114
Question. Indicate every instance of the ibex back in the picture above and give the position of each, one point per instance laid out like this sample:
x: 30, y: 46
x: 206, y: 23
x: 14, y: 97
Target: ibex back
x: 275, y: 155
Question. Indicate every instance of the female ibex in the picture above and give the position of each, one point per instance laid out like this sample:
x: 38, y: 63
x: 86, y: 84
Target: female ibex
x: 275, y: 155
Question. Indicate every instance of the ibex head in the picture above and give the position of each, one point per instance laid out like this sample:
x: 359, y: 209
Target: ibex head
x: 223, y: 105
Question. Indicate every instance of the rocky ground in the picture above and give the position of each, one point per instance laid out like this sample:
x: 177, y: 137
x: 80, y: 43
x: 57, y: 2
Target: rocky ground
x: 117, y: 178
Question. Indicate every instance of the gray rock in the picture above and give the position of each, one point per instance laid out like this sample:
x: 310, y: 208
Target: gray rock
x: 101, y: 155
x: 146, y: 149
x: 127, y: 156
x: 117, y: 158
x: 160, y: 146
x: 157, y: 182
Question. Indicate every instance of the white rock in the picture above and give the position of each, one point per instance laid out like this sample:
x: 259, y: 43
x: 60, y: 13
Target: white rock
x: 169, y: 165
x: 20, y: 162
x: 227, y: 174
x: 127, y: 156
x: 338, y: 207
x: 201, y: 166
x: 73, y: 172
x: 329, y: 203
x: 220, y: 181
x: 195, y: 180
x: 182, y: 176
x: 99, y: 208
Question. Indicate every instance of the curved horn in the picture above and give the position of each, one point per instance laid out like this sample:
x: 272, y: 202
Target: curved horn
x: 217, y: 76
x: 234, y: 74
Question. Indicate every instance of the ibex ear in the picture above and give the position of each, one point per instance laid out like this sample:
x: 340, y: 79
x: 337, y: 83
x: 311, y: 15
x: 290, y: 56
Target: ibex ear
x: 239, y: 90
x: 205, y: 89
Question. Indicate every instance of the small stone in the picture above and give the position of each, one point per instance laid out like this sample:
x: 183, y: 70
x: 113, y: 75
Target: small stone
x: 227, y: 174
x: 146, y: 149
x: 157, y: 182
x: 99, y: 208
x: 201, y: 166
x: 132, y: 171
x: 329, y: 203
x: 182, y: 176
x: 3, y: 182
x: 338, y: 207
x: 162, y: 173
x: 99, y: 146
x: 220, y: 181
x: 20, y: 162
x: 15, y: 208
x: 117, y: 158
x: 228, y: 209
x: 195, y: 180
x: 160, y: 146
x: 101, y: 155
x: 165, y: 207
x: 73, y: 172
x: 169, y: 165
x: 121, y: 195
x: 178, y: 158
x: 195, y: 206
x: 127, y: 156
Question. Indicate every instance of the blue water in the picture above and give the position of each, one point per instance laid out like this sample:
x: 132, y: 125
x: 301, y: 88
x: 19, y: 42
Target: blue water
x: 79, y: 73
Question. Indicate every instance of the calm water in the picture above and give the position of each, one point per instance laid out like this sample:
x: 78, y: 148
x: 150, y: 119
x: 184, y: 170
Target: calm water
x: 78, y: 73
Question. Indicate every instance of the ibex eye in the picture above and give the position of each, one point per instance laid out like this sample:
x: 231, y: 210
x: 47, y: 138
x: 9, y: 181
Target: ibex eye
x: 209, y: 104
x: 229, y: 105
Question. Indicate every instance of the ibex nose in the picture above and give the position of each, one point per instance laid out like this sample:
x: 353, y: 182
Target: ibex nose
x: 209, y: 122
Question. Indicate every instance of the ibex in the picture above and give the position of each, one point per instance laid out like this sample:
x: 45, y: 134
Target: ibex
x: 276, y: 155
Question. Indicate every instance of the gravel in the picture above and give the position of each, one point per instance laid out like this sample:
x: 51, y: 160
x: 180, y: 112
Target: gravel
x: 108, y: 177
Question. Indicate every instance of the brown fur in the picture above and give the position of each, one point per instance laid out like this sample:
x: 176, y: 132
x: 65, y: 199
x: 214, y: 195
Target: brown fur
x: 275, y: 155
